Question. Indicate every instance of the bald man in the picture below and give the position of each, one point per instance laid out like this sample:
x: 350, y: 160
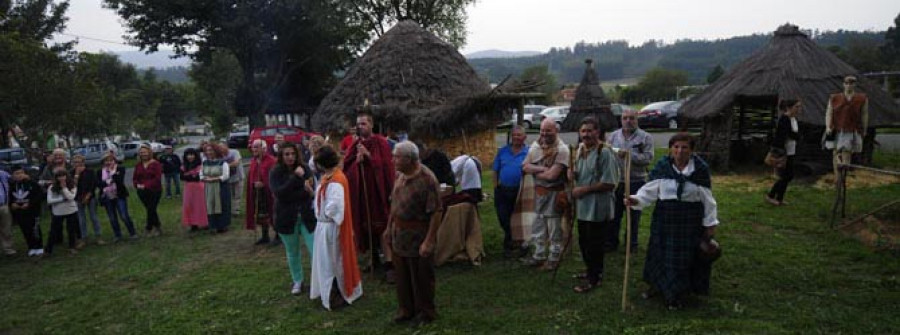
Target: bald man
x: 547, y: 161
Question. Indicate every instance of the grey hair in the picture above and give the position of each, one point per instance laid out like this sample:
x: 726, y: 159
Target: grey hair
x: 407, y: 149
x: 59, y: 151
x: 261, y: 142
x: 516, y: 128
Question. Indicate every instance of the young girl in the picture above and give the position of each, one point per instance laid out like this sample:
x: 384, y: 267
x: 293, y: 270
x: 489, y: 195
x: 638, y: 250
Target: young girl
x: 61, y: 198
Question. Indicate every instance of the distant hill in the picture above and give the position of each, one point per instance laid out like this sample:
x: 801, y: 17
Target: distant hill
x: 501, y: 54
x: 617, y: 60
x: 161, y: 59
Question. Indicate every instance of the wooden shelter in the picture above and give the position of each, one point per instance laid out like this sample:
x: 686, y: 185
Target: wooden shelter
x: 413, y: 81
x: 590, y: 100
x: 739, y: 110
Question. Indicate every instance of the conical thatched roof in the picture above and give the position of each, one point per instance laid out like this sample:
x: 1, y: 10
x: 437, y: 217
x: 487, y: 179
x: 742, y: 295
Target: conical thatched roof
x: 790, y: 66
x: 413, y: 81
x: 590, y: 100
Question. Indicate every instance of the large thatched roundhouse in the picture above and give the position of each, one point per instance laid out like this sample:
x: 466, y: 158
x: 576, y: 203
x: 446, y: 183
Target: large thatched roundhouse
x: 413, y: 81
x: 590, y: 100
x: 738, y: 111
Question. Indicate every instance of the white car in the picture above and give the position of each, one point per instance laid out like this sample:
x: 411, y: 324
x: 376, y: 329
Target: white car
x: 157, y: 147
x: 528, y: 117
x: 130, y: 149
x: 557, y: 113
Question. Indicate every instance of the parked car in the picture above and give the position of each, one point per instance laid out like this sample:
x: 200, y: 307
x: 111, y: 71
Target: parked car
x: 157, y: 147
x: 558, y: 114
x: 32, y: 170
x: 619, y: 109
x: 170, y: 141
x: 14, y: 156
x: 94, y: 152
x: 130, y: 149
x: 291, y: 134
x: 662, y: 114
x: 528, y: 117
x: 239, y: 139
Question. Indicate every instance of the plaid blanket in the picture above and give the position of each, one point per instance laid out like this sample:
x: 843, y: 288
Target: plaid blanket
x: 523, y: 212
x: 672, y: 265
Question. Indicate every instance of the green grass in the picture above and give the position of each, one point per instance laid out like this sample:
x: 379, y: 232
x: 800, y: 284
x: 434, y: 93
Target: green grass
x: 783, y: 272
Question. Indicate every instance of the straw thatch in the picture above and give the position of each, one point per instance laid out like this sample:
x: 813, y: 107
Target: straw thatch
x: 790, y: 66
x: 590, y: 100
x: 412, y: 81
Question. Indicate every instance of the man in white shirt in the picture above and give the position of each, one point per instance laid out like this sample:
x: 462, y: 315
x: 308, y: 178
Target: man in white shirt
x: 467, y: 170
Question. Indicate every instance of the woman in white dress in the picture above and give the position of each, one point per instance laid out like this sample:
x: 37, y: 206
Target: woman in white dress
x: 335, y: 275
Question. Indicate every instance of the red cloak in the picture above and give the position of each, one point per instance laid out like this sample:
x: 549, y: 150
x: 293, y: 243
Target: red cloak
x: 259, y: 171
x: 378, y: 174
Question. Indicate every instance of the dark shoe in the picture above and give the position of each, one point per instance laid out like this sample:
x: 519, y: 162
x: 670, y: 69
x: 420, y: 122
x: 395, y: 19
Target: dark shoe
x: 390, y: 277
x: 421, y: 320
x: 585, y: 288
x: 195, y: 229
x: 263, y: 240
x: 275, y: 242
x: 400, y: 318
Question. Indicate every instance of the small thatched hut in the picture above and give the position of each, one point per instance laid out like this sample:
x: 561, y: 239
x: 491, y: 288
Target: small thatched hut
x: 738, y: 111
x: 590, y: 100
x: 413, y: 81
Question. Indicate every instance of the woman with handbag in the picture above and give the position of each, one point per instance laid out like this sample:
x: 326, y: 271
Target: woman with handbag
x: 787, y: 133
x: 685, y: 218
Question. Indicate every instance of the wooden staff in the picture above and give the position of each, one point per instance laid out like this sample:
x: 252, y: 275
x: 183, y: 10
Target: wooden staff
x: 365, y: 198
x: 627, y: 230
x: 573, y: 208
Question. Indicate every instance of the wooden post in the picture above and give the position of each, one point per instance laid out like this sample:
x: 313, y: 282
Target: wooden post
x: 627, y: 230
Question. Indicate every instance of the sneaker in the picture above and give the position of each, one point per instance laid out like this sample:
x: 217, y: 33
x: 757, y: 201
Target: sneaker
x: 80, y: 244
x: 297, y: 288
x: 9, y: 252
x: 100, y: 241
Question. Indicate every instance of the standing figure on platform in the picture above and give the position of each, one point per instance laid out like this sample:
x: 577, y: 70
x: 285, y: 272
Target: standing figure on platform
x: 847, y: 118
x: 370, y: 173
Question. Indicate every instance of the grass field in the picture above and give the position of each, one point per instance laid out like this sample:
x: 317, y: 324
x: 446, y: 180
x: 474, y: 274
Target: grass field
x: 784, y: 271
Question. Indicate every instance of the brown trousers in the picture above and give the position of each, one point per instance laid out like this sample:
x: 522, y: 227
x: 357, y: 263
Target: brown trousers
x: 415, y: 286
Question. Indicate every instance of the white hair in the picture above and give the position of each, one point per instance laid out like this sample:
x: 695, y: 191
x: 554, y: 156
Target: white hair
x: 407, y: 149
x: 261, y: 142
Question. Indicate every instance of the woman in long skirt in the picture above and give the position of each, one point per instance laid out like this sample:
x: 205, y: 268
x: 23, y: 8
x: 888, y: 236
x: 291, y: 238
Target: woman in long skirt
x: 686, y: 213
x: 214, y: 175
x: 193, y: 209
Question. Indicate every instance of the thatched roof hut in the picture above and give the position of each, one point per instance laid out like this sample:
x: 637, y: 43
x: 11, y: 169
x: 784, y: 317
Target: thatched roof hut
x: 590, y: 100
x: 414, y: 82
x: 741, y: 105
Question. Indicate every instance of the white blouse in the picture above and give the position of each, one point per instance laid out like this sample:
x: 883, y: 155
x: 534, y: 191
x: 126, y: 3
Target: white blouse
x: 331, y: 209
x: 667, y: 189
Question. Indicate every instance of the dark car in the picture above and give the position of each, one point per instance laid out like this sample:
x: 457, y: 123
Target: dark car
x: 239, y: 139
x: 662, y: 114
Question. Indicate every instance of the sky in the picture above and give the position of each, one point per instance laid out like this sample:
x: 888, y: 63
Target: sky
x: 538, y: 25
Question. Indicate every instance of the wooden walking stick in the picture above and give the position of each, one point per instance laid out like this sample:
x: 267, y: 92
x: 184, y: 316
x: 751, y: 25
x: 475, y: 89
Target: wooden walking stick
x: 627, y: 193
x: 572, y: 215
x: 365, y: 198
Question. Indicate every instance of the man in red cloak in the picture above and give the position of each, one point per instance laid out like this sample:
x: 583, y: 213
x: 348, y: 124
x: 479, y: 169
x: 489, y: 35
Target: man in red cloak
x: 370, y: 173
x: 260, y: 198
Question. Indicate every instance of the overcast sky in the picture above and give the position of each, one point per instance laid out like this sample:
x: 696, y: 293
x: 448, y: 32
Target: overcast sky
x: 537, y: 25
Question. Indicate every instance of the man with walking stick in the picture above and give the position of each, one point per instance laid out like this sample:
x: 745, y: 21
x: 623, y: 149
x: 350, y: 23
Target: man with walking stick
x: 595, y: 174
x: 370, y: 173
x: 638, y: 144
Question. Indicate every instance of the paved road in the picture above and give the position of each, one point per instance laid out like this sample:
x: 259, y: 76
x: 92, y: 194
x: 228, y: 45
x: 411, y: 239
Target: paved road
x: 889, y: 142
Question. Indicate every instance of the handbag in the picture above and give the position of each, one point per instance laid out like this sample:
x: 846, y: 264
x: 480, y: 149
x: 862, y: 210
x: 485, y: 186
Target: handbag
x: 776, y: 158
x: 710, y: 250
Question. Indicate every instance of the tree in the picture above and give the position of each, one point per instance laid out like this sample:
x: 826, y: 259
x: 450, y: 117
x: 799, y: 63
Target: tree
x: 540, y: 74
x: 217, y: 82
x: 891, y: 49
x: 661, y: 84
x: 715, y: 74
x: 446, y: 19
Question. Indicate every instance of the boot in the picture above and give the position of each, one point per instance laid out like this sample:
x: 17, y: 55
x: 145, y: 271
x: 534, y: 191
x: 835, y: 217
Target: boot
x: 275, y: 241
x: 265, y: 236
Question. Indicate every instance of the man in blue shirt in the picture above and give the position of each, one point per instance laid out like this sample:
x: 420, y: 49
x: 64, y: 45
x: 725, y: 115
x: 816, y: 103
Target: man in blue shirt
x: 507, y: 175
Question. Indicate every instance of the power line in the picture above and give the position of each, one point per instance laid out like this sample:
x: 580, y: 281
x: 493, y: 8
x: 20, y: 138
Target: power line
x: 96, y: 39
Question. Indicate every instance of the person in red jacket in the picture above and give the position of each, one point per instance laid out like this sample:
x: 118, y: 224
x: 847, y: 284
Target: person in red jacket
x: 148, y: 181
x: 370, y: 173
x: 259, y: 194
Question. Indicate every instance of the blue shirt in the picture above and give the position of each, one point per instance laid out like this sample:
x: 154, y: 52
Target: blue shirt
x: 509, y: 166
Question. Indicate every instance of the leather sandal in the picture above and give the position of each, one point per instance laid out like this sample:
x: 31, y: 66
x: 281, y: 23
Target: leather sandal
x: 585, y: 288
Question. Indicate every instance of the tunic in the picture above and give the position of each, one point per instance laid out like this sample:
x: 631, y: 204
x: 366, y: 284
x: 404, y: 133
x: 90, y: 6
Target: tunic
x: 334, y: 256
x: 378, y: 179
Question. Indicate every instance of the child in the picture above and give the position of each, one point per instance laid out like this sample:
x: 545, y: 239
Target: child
x: 61, y: 198
x: 25, y: 198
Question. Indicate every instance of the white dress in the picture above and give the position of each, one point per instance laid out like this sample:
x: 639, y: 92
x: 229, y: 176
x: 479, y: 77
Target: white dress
x: 327, y: 261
